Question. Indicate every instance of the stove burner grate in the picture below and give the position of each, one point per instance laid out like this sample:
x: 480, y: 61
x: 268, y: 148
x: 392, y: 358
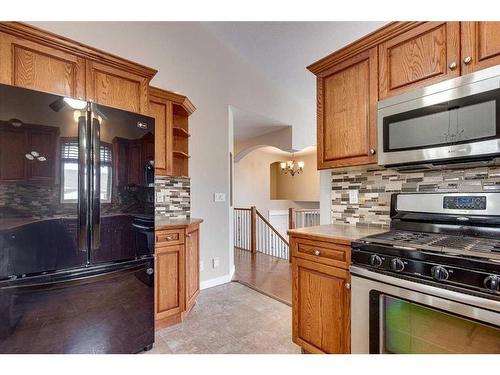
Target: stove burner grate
x: 463, y: 245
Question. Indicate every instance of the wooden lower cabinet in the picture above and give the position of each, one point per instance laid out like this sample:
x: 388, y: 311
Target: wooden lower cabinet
x: 192, y: 266
x: 169, y: 265
x: 320, y: 304
x: 177, y: 280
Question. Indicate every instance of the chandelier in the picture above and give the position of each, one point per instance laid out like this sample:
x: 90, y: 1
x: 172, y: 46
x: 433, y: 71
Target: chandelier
x: 292, y: 167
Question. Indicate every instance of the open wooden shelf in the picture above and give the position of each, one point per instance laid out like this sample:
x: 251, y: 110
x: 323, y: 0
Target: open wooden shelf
x: 180, y: 132
x: 172, y: 111
x: 180, y: 154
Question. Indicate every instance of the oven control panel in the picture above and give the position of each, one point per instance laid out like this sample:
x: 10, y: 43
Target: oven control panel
x: 463, y: 202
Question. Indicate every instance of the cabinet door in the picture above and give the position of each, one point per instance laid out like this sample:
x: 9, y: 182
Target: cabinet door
x: 161, y: 110
x: 480, y: 45
x: 45, y: 143
x: 320, y: 308
x: 13, y: 147
x: 424, y: 55
x: 192, y: 267
x: 117, y: 88
x: 347, y: 100
x: 38, y: 67
x: 169, y: 281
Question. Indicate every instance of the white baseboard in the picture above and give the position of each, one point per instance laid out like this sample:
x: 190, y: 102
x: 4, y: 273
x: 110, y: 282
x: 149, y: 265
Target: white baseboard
x: 217, y: 280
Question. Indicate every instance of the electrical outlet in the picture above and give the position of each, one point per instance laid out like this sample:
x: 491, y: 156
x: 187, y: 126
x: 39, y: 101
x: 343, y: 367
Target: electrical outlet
x: 219, y: 197
x: 159, y: 197
x: 202, y: 266
x: 353, y: 197
x: 215, y: 262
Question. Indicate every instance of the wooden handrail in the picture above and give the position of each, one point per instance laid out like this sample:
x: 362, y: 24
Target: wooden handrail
x: 272, y: 228
x: 242, y: 209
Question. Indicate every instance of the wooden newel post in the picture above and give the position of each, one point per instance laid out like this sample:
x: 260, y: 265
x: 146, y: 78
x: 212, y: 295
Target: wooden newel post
x: 253, y: 229
x: 291, y: 218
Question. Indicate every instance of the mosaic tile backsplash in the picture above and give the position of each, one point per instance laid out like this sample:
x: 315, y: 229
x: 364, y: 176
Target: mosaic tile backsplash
x: 376, y: 184
x: 173, y: 196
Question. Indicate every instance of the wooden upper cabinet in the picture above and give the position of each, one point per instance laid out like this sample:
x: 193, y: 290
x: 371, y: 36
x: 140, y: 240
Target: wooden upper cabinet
x: 116, y: 87
x: 480, y: 45
x: 35, y: 66
x: 421, y: 56
x: 347, y: 100
x: 161, y: 109
x: 39, y: 60
x: 171, y: 112
x: 320, y: 307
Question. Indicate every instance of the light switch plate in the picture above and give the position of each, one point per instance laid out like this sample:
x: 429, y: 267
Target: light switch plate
x: 215, y: 262
x: 219, y: 197
x: 353, y: 197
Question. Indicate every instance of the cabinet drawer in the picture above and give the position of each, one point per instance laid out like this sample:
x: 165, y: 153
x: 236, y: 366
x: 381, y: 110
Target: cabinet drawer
x: 169, y: 237
x: 323, y: 252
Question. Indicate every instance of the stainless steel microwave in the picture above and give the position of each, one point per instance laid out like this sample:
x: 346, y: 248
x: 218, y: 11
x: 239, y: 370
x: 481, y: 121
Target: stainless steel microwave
x: 449, y: 123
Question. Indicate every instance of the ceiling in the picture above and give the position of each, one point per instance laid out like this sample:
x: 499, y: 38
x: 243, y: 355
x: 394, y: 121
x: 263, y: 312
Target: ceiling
x: 281, y: 51
x: 248, y: 125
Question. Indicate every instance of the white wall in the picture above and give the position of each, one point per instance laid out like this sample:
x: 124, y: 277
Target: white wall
x: 252, y: 179
x: 193, y: 62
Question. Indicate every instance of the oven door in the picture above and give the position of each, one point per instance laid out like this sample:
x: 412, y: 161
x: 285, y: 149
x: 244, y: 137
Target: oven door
x: 392, y: 315
x: 457, y: 119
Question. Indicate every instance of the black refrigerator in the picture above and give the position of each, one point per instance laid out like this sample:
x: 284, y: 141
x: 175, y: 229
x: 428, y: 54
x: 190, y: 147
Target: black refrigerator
x: 76, y: 226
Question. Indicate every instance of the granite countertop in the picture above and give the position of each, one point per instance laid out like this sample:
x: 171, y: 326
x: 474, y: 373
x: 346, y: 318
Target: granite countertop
x: 166, y: 222
x: 342, y: 233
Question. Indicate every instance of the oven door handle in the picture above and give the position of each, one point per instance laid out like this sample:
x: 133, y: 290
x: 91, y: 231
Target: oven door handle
x: 414, y: 286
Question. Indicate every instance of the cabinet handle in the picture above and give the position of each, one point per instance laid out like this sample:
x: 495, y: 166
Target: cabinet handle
x: 347, y: 285
x: 467, y: 60
x: 452, y: 65
x: 317, y: 252
x: 188, y: 235
x: 373, y: 151
x: 169, y: 238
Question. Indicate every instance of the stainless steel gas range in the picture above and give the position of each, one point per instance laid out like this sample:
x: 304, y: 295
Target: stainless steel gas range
x: 431, y: 284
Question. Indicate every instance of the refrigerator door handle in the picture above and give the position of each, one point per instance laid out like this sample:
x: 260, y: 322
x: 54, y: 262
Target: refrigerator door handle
x: 83, y: 182
x: 96, y: 184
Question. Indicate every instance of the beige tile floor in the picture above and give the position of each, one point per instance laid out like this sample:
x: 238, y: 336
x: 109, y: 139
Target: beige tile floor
x: 231, y: 318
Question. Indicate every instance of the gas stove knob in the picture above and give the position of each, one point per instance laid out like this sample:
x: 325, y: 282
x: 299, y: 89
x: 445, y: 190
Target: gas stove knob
x: 492, y: 282
x: 397, y: 265
x: 375, y: 260
x: 439, y: 273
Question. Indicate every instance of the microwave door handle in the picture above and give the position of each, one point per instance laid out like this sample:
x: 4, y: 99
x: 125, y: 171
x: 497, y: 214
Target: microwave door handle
x: 83, y: 183
x: 96, y: 184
